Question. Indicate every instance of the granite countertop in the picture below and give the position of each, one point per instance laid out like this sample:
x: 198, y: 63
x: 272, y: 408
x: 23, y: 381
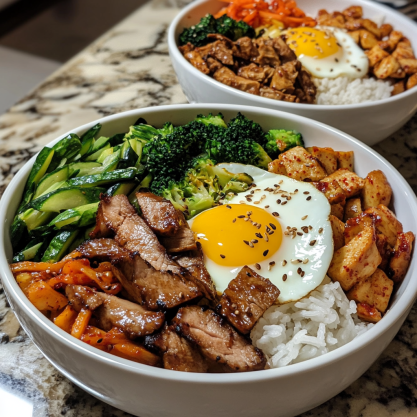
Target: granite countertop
x: 127, y: 68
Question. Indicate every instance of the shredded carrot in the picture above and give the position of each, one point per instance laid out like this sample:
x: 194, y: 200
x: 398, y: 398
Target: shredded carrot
x: 135, y: 352
x: 81, y: 323
x: 66, y: 319
x: 94, y: 337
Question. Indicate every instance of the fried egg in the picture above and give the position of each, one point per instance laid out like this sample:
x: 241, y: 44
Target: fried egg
x: 328, y: 52
x: 280, y: 228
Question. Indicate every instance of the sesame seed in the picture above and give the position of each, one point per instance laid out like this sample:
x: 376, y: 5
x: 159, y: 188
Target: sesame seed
x: 273, y: 226
x: 296, y: 191
x: 299, y: 234
x: 310, y: 228
x: 246, y: 242
x: 258, y: 226
x: 249, y: 213
x: 229, y: 207
x: 251, y: 245
x: 258, y: 267
x: 266, y: 252
x: 275, y: 214
x: 254, y: 240
x: 284, y: 262
x: 299, y: 270
x: 305, y: 261
x: 278, y: 201
x: 241, y: 202
x: 304, y: 229
x: 234, y: 220
x: 308, y: 198
x: 313, y: 242
x: 236, y: 312
x: 248, y: 199
x: 266, y: 237
x: 181, y: 294
x: 321, y: 230
x: 302, y: 273
x: 247, y: 219
x: 48, y: 271
x: 266, y: 206
x: 284, y: 277
x: 222, y: 256
x: 286, y: 233
x: 304, y: 217
x: 272, y: 263
x: 283, y: 203
x: 258, y: 235
x: 241, y: 217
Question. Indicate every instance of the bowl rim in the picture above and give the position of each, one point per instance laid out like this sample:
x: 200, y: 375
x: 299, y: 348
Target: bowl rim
x: 178, y: 57
x: 60, y: 336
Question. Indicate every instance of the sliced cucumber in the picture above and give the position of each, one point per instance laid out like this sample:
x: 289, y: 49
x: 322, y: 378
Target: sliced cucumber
x: 84, y: 168
x: 59, y: 246
x: 96, y: 155
x: 66, y: 198
x: 77, y: 217
x: 117, y: 139
x: 143, y: 184
x: 86, y: 146
x: 104, y: 155
x: 59, y: 175
x: 91, y: 133
x: 105, y: 178
x: 34, y: 219
x: 17, y: 229
x: 65, y: 148
x: 121, y: 188
x: 111, y: 162
x: 98, y: 144
x: 29, y: 252
x: 128, y: 156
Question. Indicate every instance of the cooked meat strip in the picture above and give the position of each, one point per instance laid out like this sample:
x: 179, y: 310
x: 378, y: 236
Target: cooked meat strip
x: 193, y: 262
x: 218, y: 340
x: 308, y: 86
x: 254, y: 72
x: 285, y: 76
x: 178, y: 353
x: 246, y: 299
x: 159, y: 213
x: 186, y: 48
x: 155, y: 289
x: 228, y: 77
x: 269, y: 92
x: 267, y: 54
x: 102, y: 250
x: 195, y: 59
x: 285, y: 53
x: 218, y: 37
x: 245, y: 49
x: 112, y: 311
x: 183, y: 240
x: 221, y: 51
x: 213, y: 65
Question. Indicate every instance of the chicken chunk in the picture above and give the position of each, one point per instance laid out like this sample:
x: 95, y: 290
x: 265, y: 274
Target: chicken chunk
x: 352, y: 208
x: 404, y: 50
x: 267, y: 54
x: 326, y: 156
x: 326, y: 19
x: 245, y: 49
x: 384, y: 249
x: 194, y: 58
x: 355, y: 261
x: 269, y: 92
x: 300, y: 165
x: 285, y: 53
x: 349, y: 182
x: 374, y: 291
x: 277, y: 167
x: 332, y: 191
x: 338, y: 228
x: 375, y: 55
x: 387, y: 67
x: 368, y: 313
x: 253, y: 72
x: 411, y: 82
x: 355, y: 225
x: 398, y: 88
x: 408, y: 65
x: 353, y: 12
x: 337, y: 210
x: 401, y: 259
x: 367, y: 39
x: 376, y: 190
x: 228, y: 77
x: 345, y: 160
x: 284, y: 77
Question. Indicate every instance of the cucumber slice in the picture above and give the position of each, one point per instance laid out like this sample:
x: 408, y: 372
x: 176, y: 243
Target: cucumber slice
x: 17, y: 229
x: 121, y: 188
x: 128, y: 156
x: 98, y: 144
x: 59, y: 175
x: 86, y: 146
x: 143, y: 184
x: 77, y: 217
x: 59, y: 246
x: 117, y: 139
x: 34, y: 219
x: 66, y: 198
x: 91, y: 133
x: 111, y: 162
x: 104, y: 155
x: 84, y: 168
x: 96, y: 155
x: 65, y: 148
x: 28, y: 253
x: 105, y: 178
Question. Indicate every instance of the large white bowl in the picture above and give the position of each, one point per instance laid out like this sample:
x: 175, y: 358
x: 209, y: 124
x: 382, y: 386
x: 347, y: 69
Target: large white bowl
x: 368, y: 122
x: 147, y: 391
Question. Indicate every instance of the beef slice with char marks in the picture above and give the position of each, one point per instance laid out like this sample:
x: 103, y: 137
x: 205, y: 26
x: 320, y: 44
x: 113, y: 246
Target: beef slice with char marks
x: 155, y: 289
x: 112, y: 311
x: 178, y: 353
x: 246, y: 299
x: 159, y: 213
x: 103, y: 249
x: 217, y: 340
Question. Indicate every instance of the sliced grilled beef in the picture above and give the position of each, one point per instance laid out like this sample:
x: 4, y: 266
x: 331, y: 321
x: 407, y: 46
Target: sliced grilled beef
x: 103, y: 250
x: 112, y: 311
x: 155, y: 289
x: 183, y: 240
x: 193, y: 262
x: 159, y: 213
x: 246, y: 299
x: 178, y: 353
x: 218, y: 340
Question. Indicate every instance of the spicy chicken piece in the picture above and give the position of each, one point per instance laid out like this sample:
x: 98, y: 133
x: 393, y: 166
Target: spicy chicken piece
x: 353, y: 12
x: 356, y: 35
x: 367, y: 39
x: 411, y: 82
x: 159, y: 213
x: 255, y: 73
x: 326, y: 156
x: 112, y: 311
x: 368, y: 313
x: 385, y: 29
x: 285, y: 53
x: 269, y: 92
x: 324, y: 18
x: 409, y: 65
x: 400, y: 261
x: 345, y: 160
x: 391, y: 43
x: 186, y: 48
x: 266, y: 53
x: 355, y: 225
x: 375, y: 55
x: 194, y: 58
x: 388, y: 67
x: 398, y: 88
x: 404, y: 50
x: 228, y: 77
x: 384, y: 249
x: 332, y: 191
x: 217, y: 340
x: 277, y: 167
x: 338, y: 228
x: 355, y: 261
x: 337, y: 210
x: 350, y: 183
x: 352, y: 208
x: 245, y: 49
x: 300, y: 165
x: 246, y: 299
x: 374, y: 291
x: 376, y: 190
x: 178, y: 353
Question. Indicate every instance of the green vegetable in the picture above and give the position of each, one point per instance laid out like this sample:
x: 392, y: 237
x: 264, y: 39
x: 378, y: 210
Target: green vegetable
x: 281, y: 140
x: 121, y: 188
x: 59, y: 246
x: 59, y: 175
x: 34, y: 219
x: 83, y: 168
x: 66, y: 148
x: 76, y: 217
x: 17, y: 231
x: 100, y: 143
x: 29, y: 252
x: 105, y: 178
x: 96, y: 155
x: 226, y: 26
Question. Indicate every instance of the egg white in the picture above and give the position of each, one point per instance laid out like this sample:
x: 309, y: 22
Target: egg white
x: 319, y: 255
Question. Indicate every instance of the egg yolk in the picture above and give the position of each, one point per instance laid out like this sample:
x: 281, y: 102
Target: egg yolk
x: 237, y: 234
x: 312, y: 42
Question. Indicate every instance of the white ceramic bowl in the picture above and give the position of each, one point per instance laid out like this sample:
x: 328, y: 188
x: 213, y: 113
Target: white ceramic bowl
x: 146, y: 391
x: 368, y: 122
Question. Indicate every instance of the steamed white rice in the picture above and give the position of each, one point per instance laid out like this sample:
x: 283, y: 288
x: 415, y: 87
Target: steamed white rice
x: 345, y: 90
x: 313, y: 326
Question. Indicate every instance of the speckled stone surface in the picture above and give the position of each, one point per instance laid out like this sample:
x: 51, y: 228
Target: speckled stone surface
x: 125, y: 69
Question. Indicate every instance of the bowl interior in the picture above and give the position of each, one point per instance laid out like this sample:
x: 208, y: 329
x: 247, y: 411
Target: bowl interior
x: 314, y: 133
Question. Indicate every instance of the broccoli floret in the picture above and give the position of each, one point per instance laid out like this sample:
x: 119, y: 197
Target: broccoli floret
x: 145, y: 133
x: 251, y: 129
x: 212, y: 120
x: 233, y: 29
x: 226, y: 26
x: 281, y: 140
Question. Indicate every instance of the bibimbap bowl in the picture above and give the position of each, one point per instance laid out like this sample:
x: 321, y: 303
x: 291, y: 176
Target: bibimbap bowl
x: 369, y: 122
x: 147, y: 391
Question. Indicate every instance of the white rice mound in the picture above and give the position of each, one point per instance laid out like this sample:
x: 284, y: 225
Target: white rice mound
x: 343, y: 90
x: 310, y: 327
